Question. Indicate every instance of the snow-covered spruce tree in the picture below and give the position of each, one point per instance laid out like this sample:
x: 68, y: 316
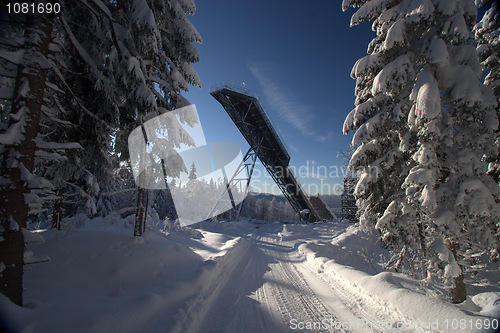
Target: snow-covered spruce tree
x: 90, y: 103
x: 152, y: 60
x: 488, y: 47
x: 23, y: 52
x: 423, y: 123
x: 73, y: 66
x: 94, y: 103
x: 39, y: 137
x: 127, y: 67
x: 192, y: 172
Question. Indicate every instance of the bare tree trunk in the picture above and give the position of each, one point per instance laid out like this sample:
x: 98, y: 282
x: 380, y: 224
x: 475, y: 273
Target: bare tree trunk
x: 421, y: 238
x: 142, y: 197
x: 140, y: 215
x: 57, y: 212
x: 458, y: 290
x: 19, y: 158
x: 146, y: 206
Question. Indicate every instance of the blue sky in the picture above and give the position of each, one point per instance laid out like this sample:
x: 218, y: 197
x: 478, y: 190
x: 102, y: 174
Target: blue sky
x: 297, y: 56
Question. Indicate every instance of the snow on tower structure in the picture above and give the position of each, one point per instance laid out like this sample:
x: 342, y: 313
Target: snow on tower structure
x: 252, y: 121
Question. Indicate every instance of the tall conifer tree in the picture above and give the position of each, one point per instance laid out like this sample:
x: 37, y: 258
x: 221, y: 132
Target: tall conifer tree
x: 423, y: 123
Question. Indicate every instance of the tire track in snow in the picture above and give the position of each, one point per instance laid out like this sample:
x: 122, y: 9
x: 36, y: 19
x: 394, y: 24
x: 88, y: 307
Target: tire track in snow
x: 366, y: 315
x: 351, y: 302
x: 223, y: 303
x: 263, y: 285
x: 297, y: 303
x: 321, y: 296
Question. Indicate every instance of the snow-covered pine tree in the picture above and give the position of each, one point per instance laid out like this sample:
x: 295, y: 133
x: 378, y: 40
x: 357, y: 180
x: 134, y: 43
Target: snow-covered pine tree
x: 248, y: 207
x: 23, y: 52
x: 59, y: 103
x: 423, y: 122
x: 382, y: 157
x: 133, y: 66
x: 488, y: 47
x: 152, y: 62
x: 96, y: 71
x: 86, y: 113
x: 261, y: 208
x: 192, y: 172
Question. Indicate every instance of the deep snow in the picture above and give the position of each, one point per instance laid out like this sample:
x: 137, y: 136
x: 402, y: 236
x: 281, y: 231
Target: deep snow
x: 239, y: 276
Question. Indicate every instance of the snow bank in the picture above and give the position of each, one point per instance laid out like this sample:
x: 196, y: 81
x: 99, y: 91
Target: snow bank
x: 387, y: 291
x: 102, y: 279
x: 489, y: 302
x: 196, y: 312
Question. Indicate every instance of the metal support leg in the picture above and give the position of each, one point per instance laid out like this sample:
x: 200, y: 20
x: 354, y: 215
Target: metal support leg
x: 233, y: 182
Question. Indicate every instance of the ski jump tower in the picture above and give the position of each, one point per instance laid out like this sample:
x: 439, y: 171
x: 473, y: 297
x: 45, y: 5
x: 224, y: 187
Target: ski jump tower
x: 248, y: 115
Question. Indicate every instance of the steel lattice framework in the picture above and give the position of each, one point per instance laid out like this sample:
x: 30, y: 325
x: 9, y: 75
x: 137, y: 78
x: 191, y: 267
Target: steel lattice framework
x: 248, y: 115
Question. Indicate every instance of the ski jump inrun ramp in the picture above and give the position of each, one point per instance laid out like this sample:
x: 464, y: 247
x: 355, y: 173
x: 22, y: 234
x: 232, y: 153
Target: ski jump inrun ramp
x: 248, y: 115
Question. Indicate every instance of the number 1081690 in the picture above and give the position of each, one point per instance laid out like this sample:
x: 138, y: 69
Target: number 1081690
x: 33, y: 8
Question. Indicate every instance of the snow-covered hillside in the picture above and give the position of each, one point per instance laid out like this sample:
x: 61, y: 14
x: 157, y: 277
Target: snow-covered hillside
x: 238, y: 276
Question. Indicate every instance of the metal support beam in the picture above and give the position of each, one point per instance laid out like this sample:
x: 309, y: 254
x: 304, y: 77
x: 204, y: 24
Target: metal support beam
x: 247, y: 165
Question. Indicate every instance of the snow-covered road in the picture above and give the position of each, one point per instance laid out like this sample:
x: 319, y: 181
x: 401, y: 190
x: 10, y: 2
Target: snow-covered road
x: 266, y: 285
x: 241, y: 276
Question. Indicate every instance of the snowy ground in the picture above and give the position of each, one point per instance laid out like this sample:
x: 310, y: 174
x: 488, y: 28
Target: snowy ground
x: 229, y: 277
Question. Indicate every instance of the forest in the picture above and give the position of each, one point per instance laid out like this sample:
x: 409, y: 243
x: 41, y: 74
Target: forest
x: 78, y: 76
